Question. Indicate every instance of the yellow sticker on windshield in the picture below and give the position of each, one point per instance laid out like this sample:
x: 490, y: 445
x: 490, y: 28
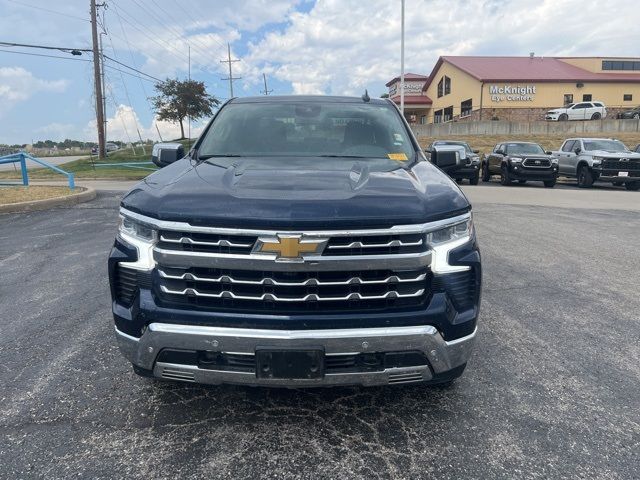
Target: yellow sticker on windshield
x: 400, y: 157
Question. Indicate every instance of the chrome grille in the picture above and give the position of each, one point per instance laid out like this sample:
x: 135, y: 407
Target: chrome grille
x: 206, y: 242
x: 375, y: 245
x: 290, y: 291
x: 536, y: 162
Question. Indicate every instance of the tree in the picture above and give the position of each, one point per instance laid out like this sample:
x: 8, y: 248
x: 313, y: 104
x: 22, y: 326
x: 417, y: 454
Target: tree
x: 178, y: 99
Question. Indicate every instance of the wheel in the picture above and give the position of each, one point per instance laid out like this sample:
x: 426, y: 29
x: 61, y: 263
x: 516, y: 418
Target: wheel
x: 634, y: 187
x: 486, y: 176
x: 563, y: 117
x: 475, y: 180
x: 585, y: 178
x: 618, y: 184
x: 595, y: 116
x: 522, y: 182
x: 549, y: 183
x: 505, y: 178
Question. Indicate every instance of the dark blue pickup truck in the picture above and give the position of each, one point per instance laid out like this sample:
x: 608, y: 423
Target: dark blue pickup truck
x: 303, y: 241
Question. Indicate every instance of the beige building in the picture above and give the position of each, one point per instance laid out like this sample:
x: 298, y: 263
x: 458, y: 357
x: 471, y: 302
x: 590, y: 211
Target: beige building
x: 516, y: 88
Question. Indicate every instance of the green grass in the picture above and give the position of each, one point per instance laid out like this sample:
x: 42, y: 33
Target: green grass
x: 88, y: 168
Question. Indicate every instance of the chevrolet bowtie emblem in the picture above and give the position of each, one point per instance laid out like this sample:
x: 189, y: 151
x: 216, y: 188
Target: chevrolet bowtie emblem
x: 289, y: 247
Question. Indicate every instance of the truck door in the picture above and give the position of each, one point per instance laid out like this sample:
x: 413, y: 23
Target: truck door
x: 564, y: 158
x: 572, y: 163
x: 495, y: 159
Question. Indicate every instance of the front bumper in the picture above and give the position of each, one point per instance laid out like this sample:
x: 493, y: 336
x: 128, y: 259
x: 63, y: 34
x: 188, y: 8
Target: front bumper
x: 552, y: 116
x: 441, y: 357
x: 466, y: 171
x: 518, y: 172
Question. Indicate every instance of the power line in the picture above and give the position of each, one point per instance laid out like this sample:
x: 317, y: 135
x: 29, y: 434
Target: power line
x: 110, y: 67
x: 134, y: 69
x: 48, y: 56
x: 46, y: 47
x: 48, y: 10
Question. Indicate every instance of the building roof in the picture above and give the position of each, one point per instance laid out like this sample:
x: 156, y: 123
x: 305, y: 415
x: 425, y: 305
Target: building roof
x: 527, y: 69
x: 413, y: 100
x: 408, y: 76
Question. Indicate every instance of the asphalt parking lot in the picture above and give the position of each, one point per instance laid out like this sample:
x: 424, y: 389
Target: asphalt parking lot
x: 552, y: 390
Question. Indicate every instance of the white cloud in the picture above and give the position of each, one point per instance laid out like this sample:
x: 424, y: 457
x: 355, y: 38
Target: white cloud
x: 341, y: 46
x: 18, y: 84
x: 125, y: 123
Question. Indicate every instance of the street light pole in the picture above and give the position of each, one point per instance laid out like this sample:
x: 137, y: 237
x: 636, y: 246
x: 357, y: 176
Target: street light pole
x: 402, y: 59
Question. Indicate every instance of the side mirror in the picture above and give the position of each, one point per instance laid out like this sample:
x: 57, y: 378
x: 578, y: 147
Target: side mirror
x: 577, y: 150
x: 548, y: 152
x: 500, y: 152
x: 164, y: 154
x: 476, y: 151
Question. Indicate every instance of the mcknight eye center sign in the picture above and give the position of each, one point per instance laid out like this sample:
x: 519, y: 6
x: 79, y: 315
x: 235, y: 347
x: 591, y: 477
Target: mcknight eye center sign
x: 512, y: 93
x: 467, y: 88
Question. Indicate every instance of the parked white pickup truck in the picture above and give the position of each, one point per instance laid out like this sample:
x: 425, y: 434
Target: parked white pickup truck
x: 604, y: 159
x: 578, y: 111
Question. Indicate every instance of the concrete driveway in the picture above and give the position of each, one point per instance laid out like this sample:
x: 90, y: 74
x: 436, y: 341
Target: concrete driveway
x: 552, y: 390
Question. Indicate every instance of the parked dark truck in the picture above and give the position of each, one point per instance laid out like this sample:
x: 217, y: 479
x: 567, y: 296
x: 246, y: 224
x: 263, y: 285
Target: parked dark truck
x: 456, y: 159
x: 303, y: 241
x: 521, y: 161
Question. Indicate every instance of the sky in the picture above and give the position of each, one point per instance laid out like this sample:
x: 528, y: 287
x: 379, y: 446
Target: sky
x: 338, y: 47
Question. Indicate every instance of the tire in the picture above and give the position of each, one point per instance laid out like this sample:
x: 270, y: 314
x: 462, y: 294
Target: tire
x: 585, y: 178
x: 486, y: 176
x: 474, y: 180
x: 563, y: 117
x: 634, y: 187
x: 505, y: 178
x: 596, y: 116
x: 549, y: 184
x: 617, y: 184
x: 522, y: 182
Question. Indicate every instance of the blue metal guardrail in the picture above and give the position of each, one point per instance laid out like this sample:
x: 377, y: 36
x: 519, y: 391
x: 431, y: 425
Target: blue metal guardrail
x: 23, y: 157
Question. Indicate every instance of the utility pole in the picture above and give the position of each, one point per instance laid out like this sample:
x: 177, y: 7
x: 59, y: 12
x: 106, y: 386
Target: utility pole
x: 402, y: 60
x: 104, y: 91
x: 98, y: 84
x: 265, y: 91
x: 231, y: 78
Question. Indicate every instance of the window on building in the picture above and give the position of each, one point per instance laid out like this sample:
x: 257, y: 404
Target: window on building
x: 586, y: 97
x: 448, y: 114
x: 568, y: 98
x: 423, y: 119
x: 441, y: 87
x: 447, y: 85
x: 437, y: 116
x: 620, y: 65
x: 465, y: 108
x: 627, y: 97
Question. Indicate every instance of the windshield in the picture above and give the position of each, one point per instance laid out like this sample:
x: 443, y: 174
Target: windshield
x: 606, y: 145
x: 466, y: 146
x: 308, y: 129
x: 524, y: 149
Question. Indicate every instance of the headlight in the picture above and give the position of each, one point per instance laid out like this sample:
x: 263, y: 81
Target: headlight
x: 475, y: 160
x: 445, y: 239
x: 130, y: 227
x: 515, y: 159
x: 142, y: 238
x: 597, y: 160
x: 554, y: 161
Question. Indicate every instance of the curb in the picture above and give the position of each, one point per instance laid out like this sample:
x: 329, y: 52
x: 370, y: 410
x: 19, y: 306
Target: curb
x: 86, y: 195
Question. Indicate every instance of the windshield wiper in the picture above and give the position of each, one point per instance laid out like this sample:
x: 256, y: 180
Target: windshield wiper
x: 344, y: 156
x: 216, y: 155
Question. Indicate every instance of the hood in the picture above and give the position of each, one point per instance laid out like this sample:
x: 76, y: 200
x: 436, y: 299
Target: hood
x: 343, y: 193
x: 604, y: 153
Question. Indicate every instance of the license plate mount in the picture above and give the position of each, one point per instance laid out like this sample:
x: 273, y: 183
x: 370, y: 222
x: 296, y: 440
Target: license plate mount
x: 623, y: 174
x: 300, y: 364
